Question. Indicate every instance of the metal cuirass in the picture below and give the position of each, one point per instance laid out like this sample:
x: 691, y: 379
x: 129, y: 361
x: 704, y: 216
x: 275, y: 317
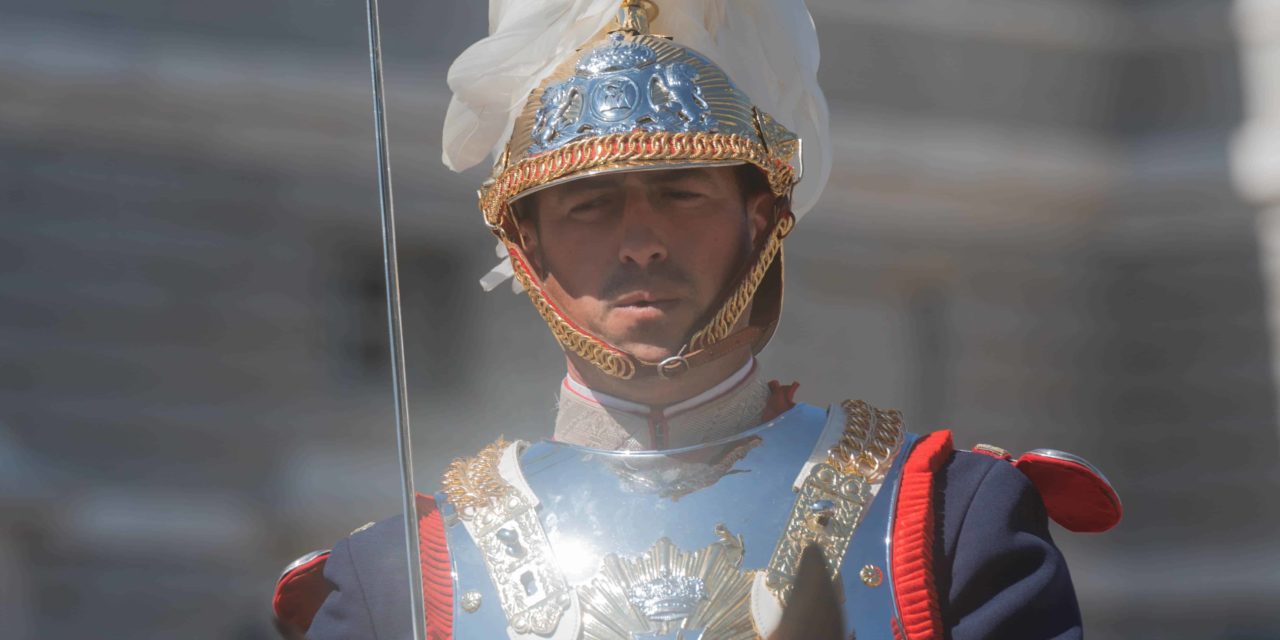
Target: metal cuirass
x: 556, y: 541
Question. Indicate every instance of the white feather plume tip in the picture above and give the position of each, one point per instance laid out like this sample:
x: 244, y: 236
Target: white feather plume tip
x: 493, y: 77
x: 499, y: 273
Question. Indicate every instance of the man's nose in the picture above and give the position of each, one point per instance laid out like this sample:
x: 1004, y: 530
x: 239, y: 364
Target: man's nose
x: 642, y: 241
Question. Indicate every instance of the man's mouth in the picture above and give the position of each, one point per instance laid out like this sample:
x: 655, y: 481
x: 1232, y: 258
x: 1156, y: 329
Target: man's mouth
x: 645, y: 300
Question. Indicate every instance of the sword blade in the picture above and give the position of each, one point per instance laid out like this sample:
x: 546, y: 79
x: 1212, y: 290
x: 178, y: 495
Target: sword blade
x: 395, y: 326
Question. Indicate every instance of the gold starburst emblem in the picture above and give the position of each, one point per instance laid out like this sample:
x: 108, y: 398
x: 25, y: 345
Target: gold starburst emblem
x: 670, y: 594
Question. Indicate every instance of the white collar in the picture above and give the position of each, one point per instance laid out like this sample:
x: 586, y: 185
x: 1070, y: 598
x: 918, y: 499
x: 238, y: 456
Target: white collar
x: 618, y: 404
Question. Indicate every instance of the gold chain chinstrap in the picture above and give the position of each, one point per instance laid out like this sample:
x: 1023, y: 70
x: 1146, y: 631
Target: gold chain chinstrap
x: 619, y: 364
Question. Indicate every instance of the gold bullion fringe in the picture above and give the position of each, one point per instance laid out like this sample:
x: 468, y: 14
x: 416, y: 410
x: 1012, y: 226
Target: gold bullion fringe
x: 473, y: 483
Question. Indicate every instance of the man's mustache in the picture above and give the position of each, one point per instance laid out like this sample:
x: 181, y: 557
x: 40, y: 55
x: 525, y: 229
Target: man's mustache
x: 630, y: 277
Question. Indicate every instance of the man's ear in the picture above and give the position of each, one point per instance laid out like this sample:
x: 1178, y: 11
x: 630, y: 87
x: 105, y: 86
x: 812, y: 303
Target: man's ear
x: 760, y: 212
x: 528, y: 240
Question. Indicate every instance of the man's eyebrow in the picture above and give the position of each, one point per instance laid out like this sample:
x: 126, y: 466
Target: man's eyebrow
x: 591, y: 184
x: 682, y: 174
x: 599, y: 183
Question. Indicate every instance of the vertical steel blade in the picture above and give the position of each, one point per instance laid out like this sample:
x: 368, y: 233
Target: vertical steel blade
x: 395, y: 326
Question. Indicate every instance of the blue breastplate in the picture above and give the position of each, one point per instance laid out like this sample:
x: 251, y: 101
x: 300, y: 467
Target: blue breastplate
x: 557, y: 541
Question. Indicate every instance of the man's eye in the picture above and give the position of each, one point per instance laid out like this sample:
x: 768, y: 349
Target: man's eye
x: 589, y: 210
x: 683, y: 195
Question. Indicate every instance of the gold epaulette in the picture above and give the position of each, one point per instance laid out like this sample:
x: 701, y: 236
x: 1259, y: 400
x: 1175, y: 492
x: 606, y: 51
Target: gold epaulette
x: 836, y: 493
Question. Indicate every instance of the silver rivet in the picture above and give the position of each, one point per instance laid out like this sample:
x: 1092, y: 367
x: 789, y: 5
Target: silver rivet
x: 820, y: 514
x: 511, y: 539
x: 471, y: 601
x: 822, y: 505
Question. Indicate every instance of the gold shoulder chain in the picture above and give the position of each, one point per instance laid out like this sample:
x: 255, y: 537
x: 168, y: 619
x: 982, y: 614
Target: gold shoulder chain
x: 870, y: 438
x: 834, y: 497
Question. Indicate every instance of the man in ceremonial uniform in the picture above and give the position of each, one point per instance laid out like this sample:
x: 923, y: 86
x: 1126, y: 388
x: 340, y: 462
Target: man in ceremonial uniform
x: 646, y: 175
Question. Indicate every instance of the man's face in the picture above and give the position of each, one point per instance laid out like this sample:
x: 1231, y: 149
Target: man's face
x: 638, y: 258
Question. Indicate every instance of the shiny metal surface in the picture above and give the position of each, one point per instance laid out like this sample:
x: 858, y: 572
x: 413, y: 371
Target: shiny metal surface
x: 470, y: 601
x: 595, y: 503
x: 846, y: 479
x: 619, y: 87
x: 870, y: 610
x: 871, y: 575
x: 629, y: 500
x: 301, y: 561
x: 395, y: 326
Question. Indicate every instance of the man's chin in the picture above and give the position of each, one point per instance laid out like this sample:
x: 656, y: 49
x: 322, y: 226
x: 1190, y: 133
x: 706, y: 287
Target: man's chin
x: 648, y: 341
x: 648, y: 350
x: 651, y: 353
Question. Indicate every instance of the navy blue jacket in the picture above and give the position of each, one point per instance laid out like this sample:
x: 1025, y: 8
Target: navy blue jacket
x: 997, y: 571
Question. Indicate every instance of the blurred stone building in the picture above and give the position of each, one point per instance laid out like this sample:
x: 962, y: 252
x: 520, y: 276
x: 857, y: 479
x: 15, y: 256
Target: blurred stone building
x: 1031, y: 236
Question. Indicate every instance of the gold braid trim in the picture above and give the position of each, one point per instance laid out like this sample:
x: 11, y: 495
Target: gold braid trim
x: 866, y: 450
x: 626, y: 150
x: 722, y: 324
x: 473, y: 483
x: 587, y: 347
x: 870, y: 437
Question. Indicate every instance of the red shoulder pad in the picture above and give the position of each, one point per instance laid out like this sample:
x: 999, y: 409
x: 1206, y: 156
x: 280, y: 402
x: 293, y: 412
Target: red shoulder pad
x: 1076, y: 495
x: 300, y: 591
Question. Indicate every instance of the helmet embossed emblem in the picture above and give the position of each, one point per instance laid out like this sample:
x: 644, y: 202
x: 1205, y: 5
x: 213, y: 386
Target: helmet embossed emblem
x: 614, y: 99
x: 625, y: 89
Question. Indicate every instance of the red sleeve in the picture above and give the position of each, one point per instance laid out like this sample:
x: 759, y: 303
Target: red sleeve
x: 437, y: 574
x: 914, y: 583
x: 313, y: 582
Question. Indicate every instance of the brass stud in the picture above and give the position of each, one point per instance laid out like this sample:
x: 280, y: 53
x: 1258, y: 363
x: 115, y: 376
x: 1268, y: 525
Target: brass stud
x: 993, y: 450
x: 470, y: 601
x: 871, y: 575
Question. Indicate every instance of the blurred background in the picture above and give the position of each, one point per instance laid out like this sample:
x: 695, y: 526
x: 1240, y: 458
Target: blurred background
x: 1050, y: 224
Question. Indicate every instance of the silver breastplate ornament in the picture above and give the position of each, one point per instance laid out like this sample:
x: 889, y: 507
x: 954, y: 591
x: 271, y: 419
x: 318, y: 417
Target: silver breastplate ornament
x: 554, y: 541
